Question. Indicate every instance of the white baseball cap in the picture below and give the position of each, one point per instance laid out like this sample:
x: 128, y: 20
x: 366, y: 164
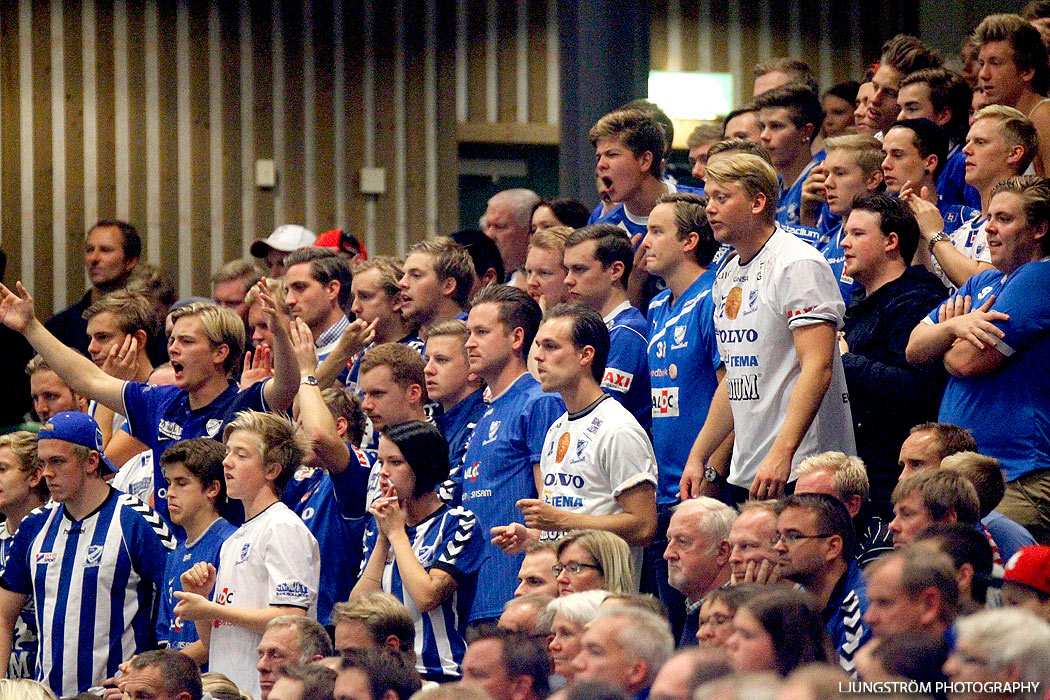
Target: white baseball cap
x: 286, y: 238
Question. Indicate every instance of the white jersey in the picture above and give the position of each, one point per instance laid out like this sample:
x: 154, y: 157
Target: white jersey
x: 270, y: 560
x: 136, y: 477
x: 786, y: 285
x: 591, y: 457
x: 971, y: 240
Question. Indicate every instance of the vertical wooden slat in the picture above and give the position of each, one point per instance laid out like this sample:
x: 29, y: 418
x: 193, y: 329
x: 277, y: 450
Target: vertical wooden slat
x: 10, y: 138
x: 151, y: 84
x: 105, y: 188
x: 42, y: 244
x: 674, y: 36
x: 231, y: 104
x: 292, y: 187
x: 506, y: 59
x: 74, y: 129
x: 324, y: 126
x: 246, y: 65
x: 401, y: 178
x: 122, y: 109
x: 26, y: 145
x: 309, y: 112
x: 339, y: 109
x: 492, y: 57
x: 430, y: 120
x: 58, y: 154
x: 168, y: 171
x: 537, y: 60
x: 477, y: 68
x: 385, y: 138
x: 277, y: 96
x: 137, y: 151
x: 368, y: 114
x: 658, y: 39
x: 186, y: 201
x: 414, y: 123
x: 553, y: 77
x: 262, y: 17
x: 216, y: 169
x: 356, y: 33
x: 200, y: 151
x: 89, y: 52
x: 521, y: 61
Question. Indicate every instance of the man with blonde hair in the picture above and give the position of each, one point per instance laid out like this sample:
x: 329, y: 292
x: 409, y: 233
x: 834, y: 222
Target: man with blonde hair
x: 932, y: 496
x: 705, y: 135
x: 844, y: 478
x: 439, y: 275
x: 374, y: 620
x: 777, y: 310
x: 1001, y: 143
x: 205, y: 350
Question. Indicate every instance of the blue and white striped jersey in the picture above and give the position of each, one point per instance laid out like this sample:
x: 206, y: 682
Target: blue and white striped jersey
x: 22, y: 663
x: 448, y: 540
x: 94, y: 582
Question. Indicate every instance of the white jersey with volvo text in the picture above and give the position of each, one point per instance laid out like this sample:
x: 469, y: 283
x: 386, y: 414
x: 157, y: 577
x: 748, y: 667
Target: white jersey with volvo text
x: 787, y: 285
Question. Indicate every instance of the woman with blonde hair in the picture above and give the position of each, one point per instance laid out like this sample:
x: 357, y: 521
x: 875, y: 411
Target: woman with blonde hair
x: 593, y: 559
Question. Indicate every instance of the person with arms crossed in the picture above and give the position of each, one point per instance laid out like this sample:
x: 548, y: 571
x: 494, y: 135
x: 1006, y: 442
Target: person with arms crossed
x: 992, y: 337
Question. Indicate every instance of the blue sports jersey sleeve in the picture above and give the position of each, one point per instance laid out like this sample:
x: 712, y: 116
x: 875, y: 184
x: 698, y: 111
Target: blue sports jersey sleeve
x: 350, y: 486
x: 142, y: 405
x: 968, y: 288
x: 150, y: 541
x: 16, y: 576
x: 705, y: 310
x: 461, y: 551
x: 537, y: 420
x: 1025, y: 300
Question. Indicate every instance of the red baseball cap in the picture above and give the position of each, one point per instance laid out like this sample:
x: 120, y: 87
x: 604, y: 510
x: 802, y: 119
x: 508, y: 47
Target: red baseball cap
x: 341, y: 240
x: 1030, y: 566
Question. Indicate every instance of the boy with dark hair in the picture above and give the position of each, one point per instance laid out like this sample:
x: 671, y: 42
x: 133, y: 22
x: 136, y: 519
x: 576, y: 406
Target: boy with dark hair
x: 195, y: 489
x: 599, y: 259
x: 790, y: 117
x: 943, y: 97
x: 269, y: 567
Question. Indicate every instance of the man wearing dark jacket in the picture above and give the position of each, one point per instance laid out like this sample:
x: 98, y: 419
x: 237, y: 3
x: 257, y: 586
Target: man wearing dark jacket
x: 888, y: 395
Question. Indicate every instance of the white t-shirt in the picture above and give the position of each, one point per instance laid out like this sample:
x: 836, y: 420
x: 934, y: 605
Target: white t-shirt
x: 787, y: 285
x: 270, y: 560
x: 136, y: 477
x: 591, y: 457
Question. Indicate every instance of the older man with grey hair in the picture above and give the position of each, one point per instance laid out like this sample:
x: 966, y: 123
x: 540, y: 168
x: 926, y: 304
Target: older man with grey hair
x: 625, y: 647
x: 289, y: 639
x: 697, y: 555
x: 508, y: 222
x: 1006, y: 646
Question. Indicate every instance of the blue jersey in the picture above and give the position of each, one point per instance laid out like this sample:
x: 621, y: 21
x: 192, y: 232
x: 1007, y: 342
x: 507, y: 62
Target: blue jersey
x: 171, y: 630
x: 951, y: 183
x: 790, y: 200
x: 634, y: 224
x: 828, y: 226
x: 94, y: 582
x: 452, y: 541
x: 1008, y: 409
x: 626, y: 375
x: 683, y: 357
x: 457, y: 425
x: 497, y: 472
x: 836, y: 258
x: 22, y: 663
x: 160, y: 416
x: 333, y: 514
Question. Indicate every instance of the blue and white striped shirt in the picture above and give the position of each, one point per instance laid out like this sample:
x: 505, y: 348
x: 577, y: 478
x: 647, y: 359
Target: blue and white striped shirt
x: 448, y: 540
x: 94, y: 582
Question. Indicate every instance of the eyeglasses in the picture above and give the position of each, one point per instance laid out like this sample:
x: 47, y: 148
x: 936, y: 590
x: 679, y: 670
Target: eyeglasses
x: 792, y: 538
x: 574, y: 568
x: 716, y: 619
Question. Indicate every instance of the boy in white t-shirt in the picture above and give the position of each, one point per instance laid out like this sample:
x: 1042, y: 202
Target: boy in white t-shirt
x: 269, y: 567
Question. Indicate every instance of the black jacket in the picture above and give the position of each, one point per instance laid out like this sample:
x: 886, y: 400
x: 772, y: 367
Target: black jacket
x: 888, y: 395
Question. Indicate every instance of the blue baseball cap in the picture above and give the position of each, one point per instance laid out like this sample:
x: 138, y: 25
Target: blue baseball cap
x: 79, y: 429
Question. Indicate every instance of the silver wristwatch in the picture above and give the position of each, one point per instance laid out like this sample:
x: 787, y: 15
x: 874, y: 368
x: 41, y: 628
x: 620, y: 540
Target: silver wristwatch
x: 310, y: 379
x: 937, y: 238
